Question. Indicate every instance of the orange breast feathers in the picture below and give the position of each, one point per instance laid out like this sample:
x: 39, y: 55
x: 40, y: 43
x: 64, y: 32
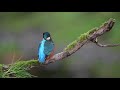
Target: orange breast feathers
x: 51, y: 55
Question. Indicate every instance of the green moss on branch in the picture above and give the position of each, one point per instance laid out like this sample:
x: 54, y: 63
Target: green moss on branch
x: 81, y: 38
x: 19, y: 69
x: 84, y: 36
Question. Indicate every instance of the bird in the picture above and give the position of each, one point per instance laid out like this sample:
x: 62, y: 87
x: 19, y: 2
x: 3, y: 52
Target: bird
x: 45, y: 48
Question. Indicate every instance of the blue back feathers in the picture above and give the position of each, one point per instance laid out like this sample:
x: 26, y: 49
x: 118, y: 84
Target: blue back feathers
x: 41, y: 55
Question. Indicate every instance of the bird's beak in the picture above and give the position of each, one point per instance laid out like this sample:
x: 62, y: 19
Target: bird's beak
x: 48, y: 38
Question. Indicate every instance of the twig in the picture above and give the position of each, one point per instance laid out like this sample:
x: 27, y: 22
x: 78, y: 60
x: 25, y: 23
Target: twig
x: 107, y: 45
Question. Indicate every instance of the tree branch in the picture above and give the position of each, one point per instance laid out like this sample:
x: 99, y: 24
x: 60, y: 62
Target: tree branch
x: 107, y: 45
x: 83, y: 39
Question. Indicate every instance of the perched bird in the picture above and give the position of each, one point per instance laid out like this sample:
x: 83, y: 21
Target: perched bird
x: 46, y: 48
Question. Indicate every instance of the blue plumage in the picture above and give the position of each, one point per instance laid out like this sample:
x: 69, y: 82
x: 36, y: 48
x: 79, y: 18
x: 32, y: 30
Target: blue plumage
x: 45, y: 48
x: 41, y: 54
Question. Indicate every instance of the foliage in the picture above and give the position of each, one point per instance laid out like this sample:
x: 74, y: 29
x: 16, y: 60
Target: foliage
x: 19, y: 69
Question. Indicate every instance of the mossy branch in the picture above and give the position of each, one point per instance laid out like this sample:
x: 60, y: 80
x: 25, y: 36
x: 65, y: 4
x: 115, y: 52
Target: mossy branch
x: 83, y: 39
x: 19, y: 68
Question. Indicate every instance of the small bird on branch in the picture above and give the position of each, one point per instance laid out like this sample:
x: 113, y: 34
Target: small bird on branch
x: 45, y: 48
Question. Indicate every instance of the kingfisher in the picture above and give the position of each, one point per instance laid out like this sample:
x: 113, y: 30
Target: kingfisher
x: 45, y: 48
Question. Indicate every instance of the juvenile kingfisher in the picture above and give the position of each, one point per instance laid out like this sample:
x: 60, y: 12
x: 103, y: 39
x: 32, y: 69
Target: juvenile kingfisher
x: 46, y: 48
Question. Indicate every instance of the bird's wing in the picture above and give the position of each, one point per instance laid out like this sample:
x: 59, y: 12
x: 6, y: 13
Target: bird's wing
x: 48, y: 47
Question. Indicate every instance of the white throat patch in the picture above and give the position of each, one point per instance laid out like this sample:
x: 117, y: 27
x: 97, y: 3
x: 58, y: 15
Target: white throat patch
x: 48, y: 38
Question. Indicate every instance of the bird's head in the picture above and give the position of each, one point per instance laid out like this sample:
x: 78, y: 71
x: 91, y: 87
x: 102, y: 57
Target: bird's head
x: 47, y: 36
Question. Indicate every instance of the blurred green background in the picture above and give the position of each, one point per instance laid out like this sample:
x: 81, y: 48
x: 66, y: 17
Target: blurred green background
x: 21, y: 32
